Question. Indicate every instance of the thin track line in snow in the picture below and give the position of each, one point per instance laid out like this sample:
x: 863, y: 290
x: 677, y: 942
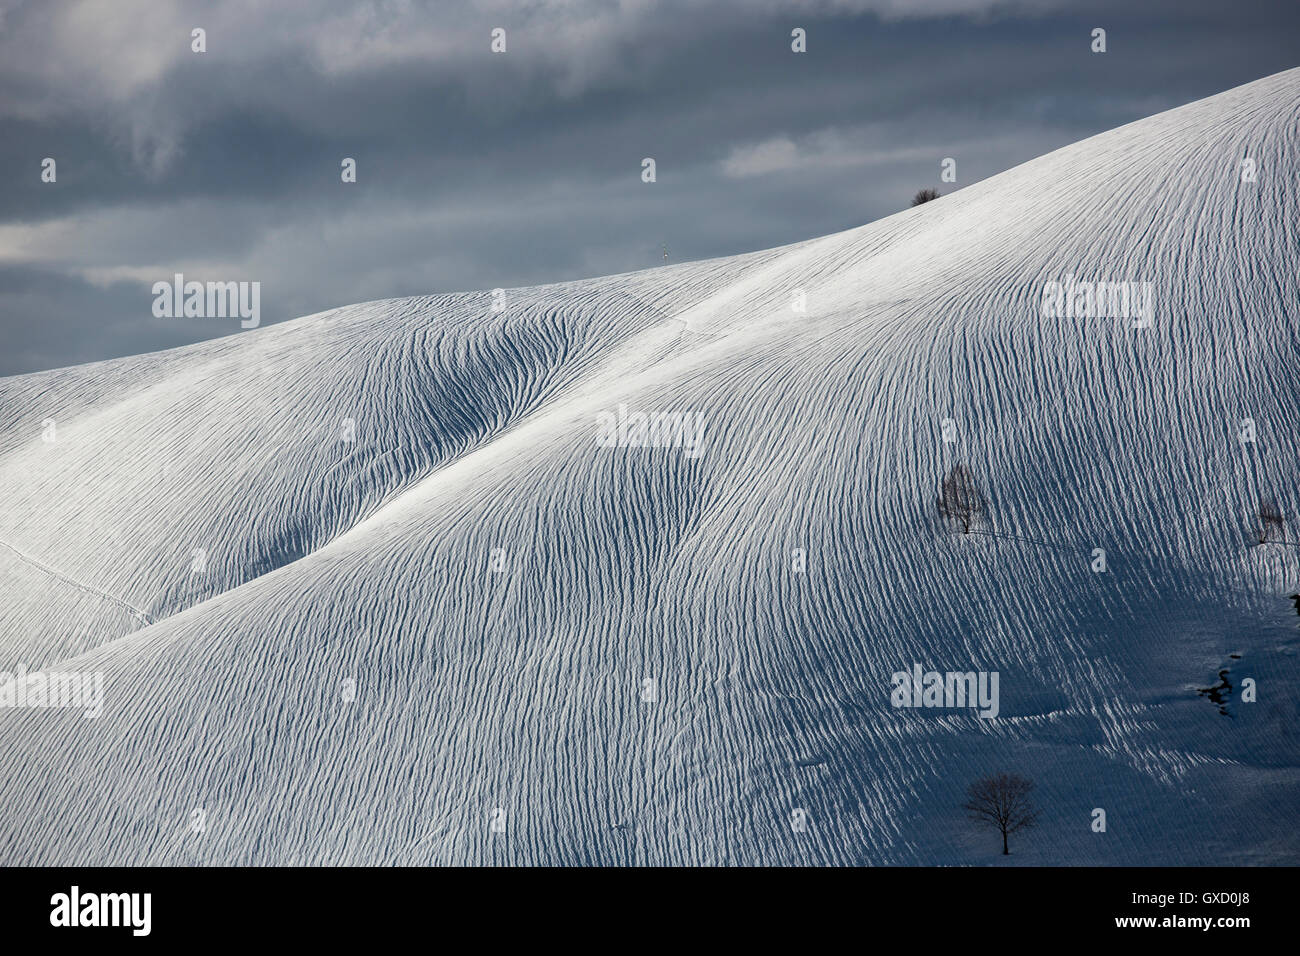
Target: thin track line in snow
x: 79, y: 585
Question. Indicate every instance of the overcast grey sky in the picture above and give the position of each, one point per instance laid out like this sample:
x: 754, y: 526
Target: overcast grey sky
x: 478, y: 170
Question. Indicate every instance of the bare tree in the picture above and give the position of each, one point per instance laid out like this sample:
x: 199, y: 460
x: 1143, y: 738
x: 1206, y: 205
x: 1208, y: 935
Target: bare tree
x: 924, y: 195
x: 1268, y: 521
x: 1002, y: 802
x: 960, y: 498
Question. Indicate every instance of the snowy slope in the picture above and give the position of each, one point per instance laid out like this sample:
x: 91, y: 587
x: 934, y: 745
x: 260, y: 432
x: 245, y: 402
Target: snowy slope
x: 504, y: 690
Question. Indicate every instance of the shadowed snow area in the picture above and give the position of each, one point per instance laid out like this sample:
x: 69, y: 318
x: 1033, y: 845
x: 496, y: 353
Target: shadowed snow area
x: 643, y: 674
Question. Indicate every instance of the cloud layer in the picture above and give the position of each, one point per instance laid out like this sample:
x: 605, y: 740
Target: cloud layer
x: 478, y: 169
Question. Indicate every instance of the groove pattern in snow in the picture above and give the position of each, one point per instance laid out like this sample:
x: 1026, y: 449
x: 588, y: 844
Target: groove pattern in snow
x: 518, y: 695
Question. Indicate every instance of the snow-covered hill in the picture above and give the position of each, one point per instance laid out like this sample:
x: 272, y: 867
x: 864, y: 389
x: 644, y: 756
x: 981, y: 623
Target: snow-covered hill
x: 372, y: 586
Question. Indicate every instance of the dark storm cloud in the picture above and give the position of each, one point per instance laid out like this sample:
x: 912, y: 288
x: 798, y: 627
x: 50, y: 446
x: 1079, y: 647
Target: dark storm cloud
x: 479, y: 170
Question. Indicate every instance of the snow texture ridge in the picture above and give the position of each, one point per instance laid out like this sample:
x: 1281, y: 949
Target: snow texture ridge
x: 572, y: 654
